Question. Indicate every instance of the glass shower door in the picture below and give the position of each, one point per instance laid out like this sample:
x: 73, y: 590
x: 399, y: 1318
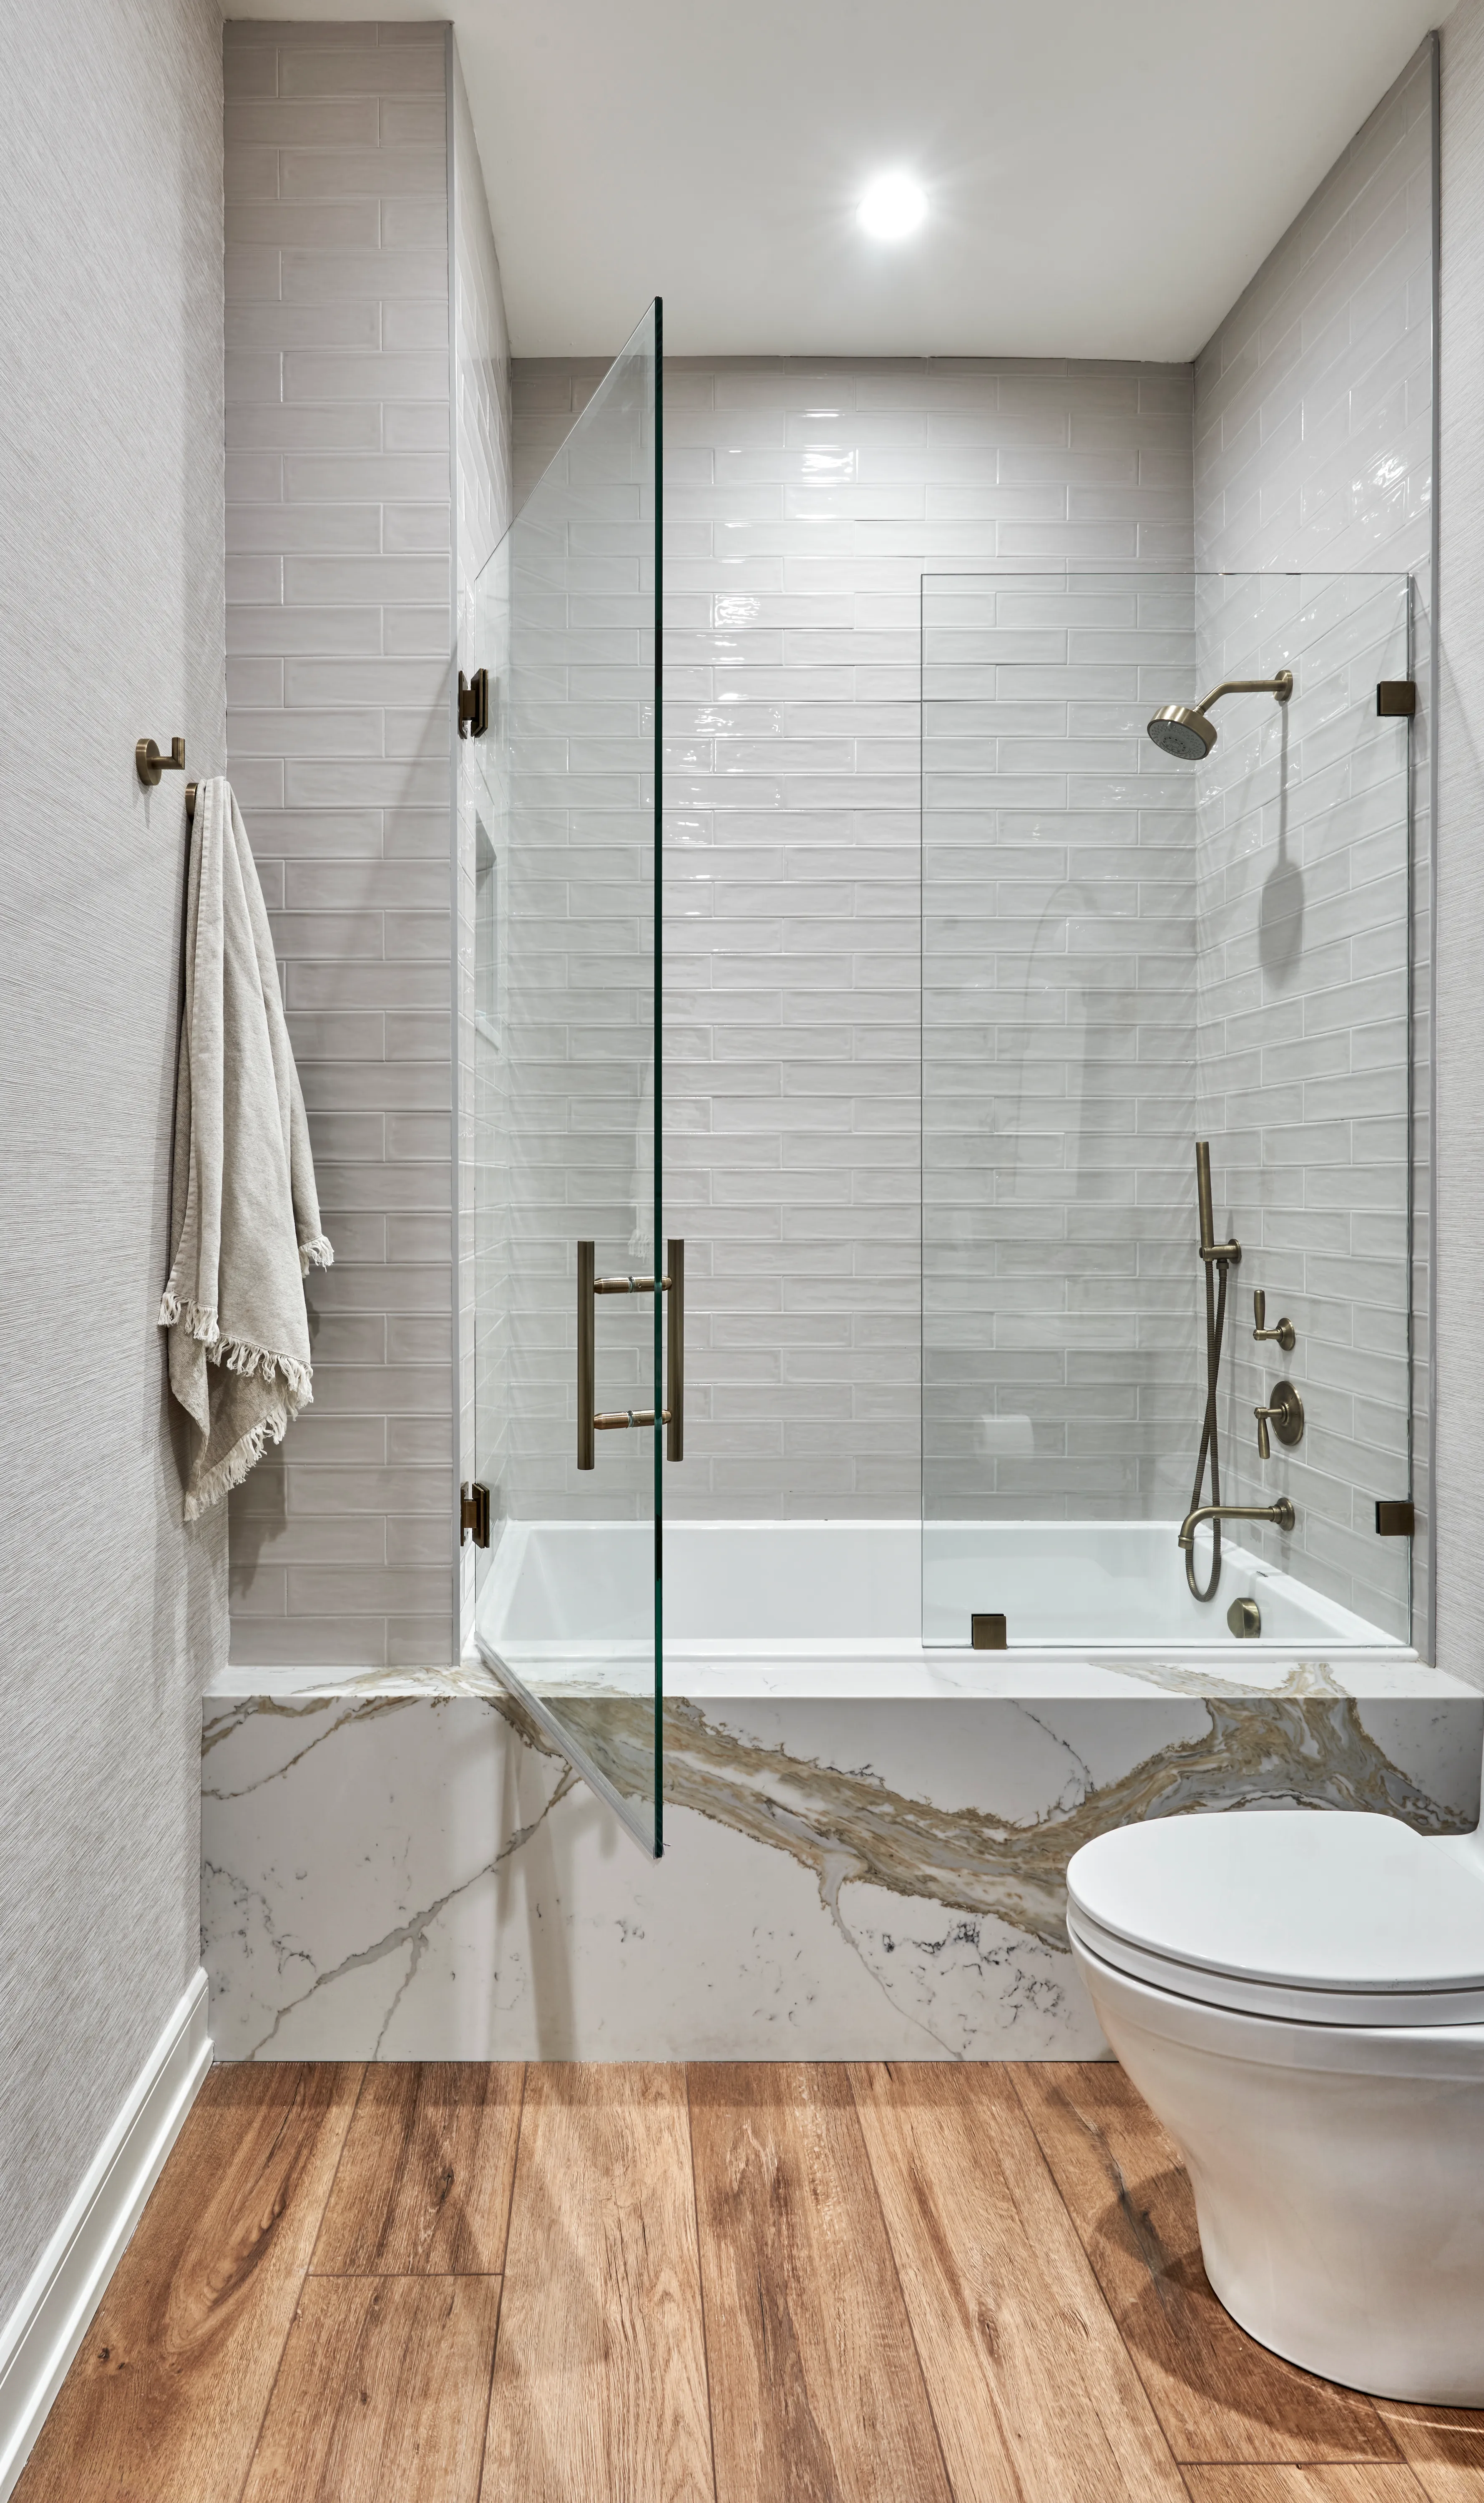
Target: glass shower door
x: 573, y: 1288
x: 1125, y: 952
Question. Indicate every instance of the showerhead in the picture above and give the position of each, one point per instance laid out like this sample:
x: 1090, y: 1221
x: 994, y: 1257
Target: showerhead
x: 1182, y: 732
x: 1183, y: 729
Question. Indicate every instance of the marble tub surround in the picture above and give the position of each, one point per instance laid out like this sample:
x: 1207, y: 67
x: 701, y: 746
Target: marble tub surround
x: 401, y: 1866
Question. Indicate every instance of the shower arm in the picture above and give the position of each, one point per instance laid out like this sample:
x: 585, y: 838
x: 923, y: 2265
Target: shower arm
x: 1282, y: 686
x: 1280, y: 1514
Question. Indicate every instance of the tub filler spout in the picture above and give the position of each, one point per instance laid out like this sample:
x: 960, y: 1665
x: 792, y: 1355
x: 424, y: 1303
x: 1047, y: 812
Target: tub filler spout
x: 1280, y: 1514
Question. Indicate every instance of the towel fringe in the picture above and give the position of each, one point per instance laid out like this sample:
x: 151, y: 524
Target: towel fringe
x: 238, y: 1355
x: 199, y: 1323
x: 317, y: 1253
x: 229, y: 1472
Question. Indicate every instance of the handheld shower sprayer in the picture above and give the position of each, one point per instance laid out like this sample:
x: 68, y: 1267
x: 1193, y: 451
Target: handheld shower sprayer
x: 1183, y: 729
x: 1217, y: 1258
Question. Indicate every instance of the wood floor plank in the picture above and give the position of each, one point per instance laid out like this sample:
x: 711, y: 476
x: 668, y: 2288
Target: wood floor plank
x: 1034, y: 2395
x: 423, y: 2186
x: 817, y: 2393
x: 382, y: 2394
x: 166, y: 2394
x: 1444, y: 2448
x: 1219, y: 2396
x: 599, y: 2389
x: 1320, y: 2481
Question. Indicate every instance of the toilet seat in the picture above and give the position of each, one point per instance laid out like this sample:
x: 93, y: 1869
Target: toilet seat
x: 1330, y: 1918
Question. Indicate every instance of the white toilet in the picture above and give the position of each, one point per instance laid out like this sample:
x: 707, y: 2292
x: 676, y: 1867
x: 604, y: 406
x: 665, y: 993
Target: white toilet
x: 1299, y: 1997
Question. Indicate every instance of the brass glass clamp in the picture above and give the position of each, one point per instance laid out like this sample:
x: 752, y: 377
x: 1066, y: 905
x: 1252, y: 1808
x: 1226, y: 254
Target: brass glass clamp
x: 1285, y: 1333
x: 1285, y: 1413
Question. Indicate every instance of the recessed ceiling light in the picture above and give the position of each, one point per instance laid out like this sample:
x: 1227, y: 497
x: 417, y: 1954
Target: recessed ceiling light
x: 893, y: 206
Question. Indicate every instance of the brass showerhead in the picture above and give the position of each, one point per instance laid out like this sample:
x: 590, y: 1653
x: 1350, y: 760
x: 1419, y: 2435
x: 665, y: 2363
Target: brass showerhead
x: 1183, y: 729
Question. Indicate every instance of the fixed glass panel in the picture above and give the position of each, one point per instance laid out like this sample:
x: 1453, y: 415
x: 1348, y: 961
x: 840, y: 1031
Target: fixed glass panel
x: 1125, y: 952
x: 570, y: 1300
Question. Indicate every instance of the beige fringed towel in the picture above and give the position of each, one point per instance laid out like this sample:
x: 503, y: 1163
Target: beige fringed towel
x: 245, y: 1217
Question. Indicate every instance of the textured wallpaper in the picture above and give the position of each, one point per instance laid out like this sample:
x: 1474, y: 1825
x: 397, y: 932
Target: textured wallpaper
x: 112, y: 1613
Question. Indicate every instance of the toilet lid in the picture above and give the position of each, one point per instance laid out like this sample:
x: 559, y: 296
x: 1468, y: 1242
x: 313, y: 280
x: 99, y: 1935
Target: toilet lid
x: 1355, y: 1906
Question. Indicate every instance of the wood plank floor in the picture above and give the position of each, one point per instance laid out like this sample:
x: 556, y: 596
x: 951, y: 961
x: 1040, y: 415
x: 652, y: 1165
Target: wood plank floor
x: 782, y: 2283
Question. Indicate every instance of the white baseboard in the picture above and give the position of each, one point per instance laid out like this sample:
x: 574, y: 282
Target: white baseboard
x: 51, y: 2320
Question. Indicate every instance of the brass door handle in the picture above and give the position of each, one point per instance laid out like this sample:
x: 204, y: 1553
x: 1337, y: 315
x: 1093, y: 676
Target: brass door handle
x: 590, y: 1286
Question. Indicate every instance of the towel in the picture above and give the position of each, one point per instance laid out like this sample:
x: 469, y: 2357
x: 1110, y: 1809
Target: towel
x: 245, y: 1217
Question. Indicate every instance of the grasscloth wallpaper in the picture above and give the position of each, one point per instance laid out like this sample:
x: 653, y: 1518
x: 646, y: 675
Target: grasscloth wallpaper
x: 110, y: 542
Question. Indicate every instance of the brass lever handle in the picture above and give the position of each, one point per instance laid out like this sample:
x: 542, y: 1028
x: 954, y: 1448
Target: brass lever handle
x: 1286, y: 1415
x: 1285, y: 1333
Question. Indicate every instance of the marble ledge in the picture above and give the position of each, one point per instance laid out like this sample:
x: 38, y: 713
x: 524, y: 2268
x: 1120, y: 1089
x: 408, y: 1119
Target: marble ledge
x: 892, y: 1671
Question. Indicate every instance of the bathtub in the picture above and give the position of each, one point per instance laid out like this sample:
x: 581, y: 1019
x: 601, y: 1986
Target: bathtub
x: 834, y: 1607
x: 864, y: 1835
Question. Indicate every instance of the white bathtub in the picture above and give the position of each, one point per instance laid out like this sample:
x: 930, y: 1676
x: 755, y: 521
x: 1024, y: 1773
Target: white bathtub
x: 834, y: 1607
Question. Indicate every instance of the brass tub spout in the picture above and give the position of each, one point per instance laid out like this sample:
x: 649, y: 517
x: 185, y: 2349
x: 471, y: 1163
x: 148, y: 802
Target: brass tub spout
x: 1280, y: 1514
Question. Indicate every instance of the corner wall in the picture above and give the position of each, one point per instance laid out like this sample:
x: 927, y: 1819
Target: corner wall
x: 112, y: 1613
x: 1314, y: 416
x: 1461, y: 854
x: 361, y: 387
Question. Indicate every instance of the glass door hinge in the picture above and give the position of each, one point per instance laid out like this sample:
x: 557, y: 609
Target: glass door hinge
x: 1396, y: 697
x: 473, y: 704
x: 474, y: 1515
x: 1394, y: 1521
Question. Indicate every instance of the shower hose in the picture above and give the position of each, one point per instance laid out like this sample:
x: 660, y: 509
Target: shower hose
x: 1216, y: 1322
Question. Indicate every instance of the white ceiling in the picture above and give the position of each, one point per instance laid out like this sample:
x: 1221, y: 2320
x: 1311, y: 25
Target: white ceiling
x: 1104, y: 175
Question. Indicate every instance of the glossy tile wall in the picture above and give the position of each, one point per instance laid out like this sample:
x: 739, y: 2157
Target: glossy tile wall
x: 803, y: 503
x: 1314, y: 449
x: 349, y: 426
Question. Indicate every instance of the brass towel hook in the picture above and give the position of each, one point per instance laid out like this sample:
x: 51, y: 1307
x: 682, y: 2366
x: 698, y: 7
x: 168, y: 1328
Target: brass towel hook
x: 150, y: 764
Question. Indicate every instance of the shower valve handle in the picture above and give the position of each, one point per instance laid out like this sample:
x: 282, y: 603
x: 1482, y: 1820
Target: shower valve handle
x: 1285, y: 1413
x: 1285, y: 1334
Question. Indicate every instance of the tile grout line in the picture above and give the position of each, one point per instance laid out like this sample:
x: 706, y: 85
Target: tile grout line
x: 310, y: 2269
x: 1370, y: 2460
x: 1179, y: 2465
x: 251, y: 2458
x: 499, y: 2309
x: 700, y: 2278
x: 865, y: 2146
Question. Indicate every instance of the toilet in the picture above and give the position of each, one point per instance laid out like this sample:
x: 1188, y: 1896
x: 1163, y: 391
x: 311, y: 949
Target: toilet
x: 1299, y: 1998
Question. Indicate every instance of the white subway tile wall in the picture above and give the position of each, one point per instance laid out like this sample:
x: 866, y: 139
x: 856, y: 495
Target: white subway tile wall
x: 803, y: 505
x: 1314, y: 450
x: 339, y: 633
x: 1059, y: 1055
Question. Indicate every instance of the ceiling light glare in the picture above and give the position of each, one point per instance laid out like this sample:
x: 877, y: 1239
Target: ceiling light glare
x: 895, y: 206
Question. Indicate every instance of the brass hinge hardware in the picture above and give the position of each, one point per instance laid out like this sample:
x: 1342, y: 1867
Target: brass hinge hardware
x: 474, y: 1514
x: 987, y: 1632
x: 1396, y: 1521
x: 473, y: 704
x: 1397, y: 699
